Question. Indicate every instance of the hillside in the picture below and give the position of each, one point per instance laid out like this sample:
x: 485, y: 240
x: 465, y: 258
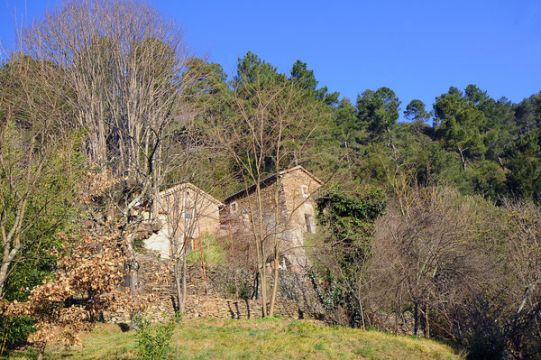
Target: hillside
x: 139, y: 177
x: 260, y: 339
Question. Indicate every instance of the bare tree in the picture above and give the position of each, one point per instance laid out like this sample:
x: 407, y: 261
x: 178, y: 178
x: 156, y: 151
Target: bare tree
x: 426, y: 252
x: 181, y: 208
x: 28, y: 141
x: 122, y: 65
x: 270, y: 130
x: 523, y: 286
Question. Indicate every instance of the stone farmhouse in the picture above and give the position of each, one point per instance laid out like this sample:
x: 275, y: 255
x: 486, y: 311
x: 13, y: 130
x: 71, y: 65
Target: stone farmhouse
x: 184, y: 212
x: 288, y: 213
x: 286, y: 201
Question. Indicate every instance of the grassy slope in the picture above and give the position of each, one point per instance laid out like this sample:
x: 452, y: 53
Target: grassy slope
x: 261, y: 339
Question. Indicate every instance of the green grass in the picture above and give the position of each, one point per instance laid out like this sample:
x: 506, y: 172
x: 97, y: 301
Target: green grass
x: 260, y: 339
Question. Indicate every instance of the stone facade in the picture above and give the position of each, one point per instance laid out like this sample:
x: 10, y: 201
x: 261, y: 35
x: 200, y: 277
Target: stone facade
x: 184, y: 211
x: 287, y: 211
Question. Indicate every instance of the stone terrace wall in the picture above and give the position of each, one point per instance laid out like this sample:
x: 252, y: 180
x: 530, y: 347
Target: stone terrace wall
x: 228, y: 308
x: 213, y: 298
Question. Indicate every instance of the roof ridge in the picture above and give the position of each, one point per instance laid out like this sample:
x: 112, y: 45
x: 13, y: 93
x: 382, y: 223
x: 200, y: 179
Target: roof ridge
x: 180, y: 185
x: 271, y: 176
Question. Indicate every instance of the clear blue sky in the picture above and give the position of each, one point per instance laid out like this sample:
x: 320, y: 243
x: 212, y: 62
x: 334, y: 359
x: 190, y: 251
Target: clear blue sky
x: 417, y: 47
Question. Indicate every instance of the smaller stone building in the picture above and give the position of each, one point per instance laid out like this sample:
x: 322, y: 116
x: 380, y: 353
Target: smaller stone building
x: 284, y: 205
x: 184, y: 212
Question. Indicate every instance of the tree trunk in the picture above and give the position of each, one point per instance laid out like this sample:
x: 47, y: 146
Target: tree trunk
x: 415, y: 318
x: 184, y: 283
x: 132, y: 277
x: 255, y: 294
x: 204, y: 267
x: 259, y: 236
x: 132, y: 272
x: 462, y: 158
x: 361, y: 309
x: 275, y: 287
x: 263, y: 281
x: 3, y: 277
x: 178, y: 286
x: 427, y: 323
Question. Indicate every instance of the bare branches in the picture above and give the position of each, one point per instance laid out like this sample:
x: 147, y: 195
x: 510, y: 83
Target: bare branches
x: 113, y: 71
x: 28, y: 139
x: 269, y: 126
x: 122, y: 66
x: 428, y: 249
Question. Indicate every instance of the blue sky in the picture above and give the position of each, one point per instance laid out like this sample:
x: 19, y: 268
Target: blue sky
x: 417, y: 47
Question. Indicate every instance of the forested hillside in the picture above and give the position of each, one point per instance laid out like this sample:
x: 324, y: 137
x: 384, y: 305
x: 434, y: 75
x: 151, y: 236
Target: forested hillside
x: 465, y: 139
x: 430, y: 214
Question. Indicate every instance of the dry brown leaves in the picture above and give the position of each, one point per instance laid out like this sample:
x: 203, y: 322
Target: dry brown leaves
x: 88, y: 281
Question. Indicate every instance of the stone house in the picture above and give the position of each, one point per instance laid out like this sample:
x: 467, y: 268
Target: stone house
x: 287, y: 213
x: 184, y: 211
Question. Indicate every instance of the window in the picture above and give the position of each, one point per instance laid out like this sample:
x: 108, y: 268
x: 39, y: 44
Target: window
x: 245, y: 216
x: 308, y: 219
x: 304, y: 191
x: 284, y: 265
x: 233, y: 207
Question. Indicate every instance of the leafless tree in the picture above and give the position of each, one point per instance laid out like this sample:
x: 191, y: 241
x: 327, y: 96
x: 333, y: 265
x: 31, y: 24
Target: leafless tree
x: 523, y: 286
x: 270, y: 131
x: 28, y: 141
x: 425, y: 252
x: 181, y: 209
x: 121, y: 67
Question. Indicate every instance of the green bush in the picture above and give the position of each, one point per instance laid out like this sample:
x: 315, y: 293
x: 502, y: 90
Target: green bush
x: 242, y: 289
x: 52, y: 208
x: 213, y: 253
x: 154, y: 341
x: 14, y: 331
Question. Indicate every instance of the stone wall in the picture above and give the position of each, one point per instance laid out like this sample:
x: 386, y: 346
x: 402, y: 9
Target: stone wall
x: 299, y: 188
x: 288, y: 217
x: 218, y: 292
x: 230, y: 308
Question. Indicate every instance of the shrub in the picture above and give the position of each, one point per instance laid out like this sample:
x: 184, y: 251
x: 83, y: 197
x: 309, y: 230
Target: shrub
x: 212, y: 252
x: 241, y: 289
x: 14, y: 331
x: 153, y: 341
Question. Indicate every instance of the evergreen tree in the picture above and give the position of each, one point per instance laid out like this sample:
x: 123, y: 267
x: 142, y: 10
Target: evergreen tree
x: 306, y: 79
x: 458, y: 123
x: 416, y: 112
x: 524, y: 179
x: 378, y: 110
